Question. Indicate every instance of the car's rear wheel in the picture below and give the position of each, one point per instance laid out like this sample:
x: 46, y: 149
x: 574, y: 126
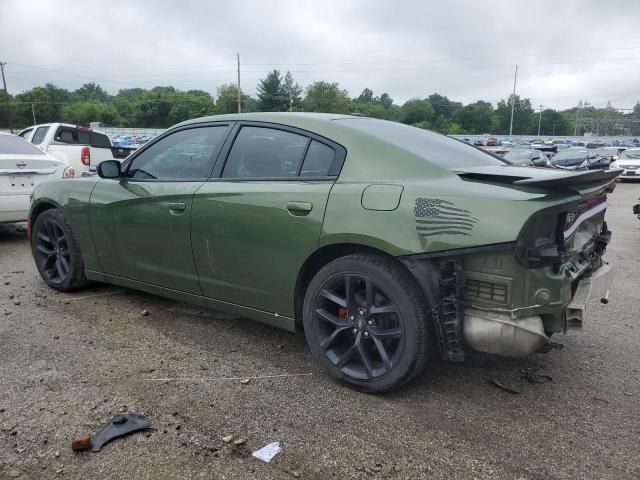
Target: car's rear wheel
x: 56, y: 252
x: 368, y: 322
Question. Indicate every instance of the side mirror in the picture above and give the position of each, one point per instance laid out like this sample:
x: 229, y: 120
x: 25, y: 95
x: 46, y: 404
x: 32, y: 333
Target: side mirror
x: 539, y: 162
x: 109, y: 169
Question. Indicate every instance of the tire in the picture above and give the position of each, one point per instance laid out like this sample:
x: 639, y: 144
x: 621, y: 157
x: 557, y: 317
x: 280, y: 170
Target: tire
x: 387, y: 307
x: 56, y: 252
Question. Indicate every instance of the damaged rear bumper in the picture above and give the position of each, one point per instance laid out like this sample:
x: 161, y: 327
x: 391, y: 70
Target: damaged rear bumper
x: 504, y: 333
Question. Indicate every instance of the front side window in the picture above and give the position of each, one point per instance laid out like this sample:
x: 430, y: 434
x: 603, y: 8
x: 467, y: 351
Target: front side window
x: 38, y: 136
x: 260, y: 152
x: 186, y: 154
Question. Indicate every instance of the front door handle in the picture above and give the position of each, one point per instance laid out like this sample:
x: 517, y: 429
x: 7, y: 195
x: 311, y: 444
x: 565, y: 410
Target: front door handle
x: 299, y: 208
x: 176, y: 208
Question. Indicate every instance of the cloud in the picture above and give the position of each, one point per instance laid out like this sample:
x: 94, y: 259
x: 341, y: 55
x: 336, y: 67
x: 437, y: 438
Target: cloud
x: 465, y: 50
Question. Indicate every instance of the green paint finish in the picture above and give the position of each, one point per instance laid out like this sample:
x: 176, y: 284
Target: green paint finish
x: 239, y: 245
x: 250, y: 239
x: 141, y: 231
x: 381, y: 197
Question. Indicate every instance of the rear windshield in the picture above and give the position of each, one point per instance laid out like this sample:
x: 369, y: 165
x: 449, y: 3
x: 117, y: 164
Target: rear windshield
x: 11, y: 145
x: 446, y: 152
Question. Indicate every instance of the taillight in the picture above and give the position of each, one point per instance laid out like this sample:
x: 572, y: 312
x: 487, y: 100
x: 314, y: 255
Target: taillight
x: 85, y: 156
x: 69, y: 172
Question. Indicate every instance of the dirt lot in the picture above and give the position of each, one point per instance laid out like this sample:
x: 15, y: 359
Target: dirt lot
x: 68, y: 363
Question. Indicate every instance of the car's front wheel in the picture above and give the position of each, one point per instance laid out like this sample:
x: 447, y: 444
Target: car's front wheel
x: 56, y: 252
x: 367, y: 321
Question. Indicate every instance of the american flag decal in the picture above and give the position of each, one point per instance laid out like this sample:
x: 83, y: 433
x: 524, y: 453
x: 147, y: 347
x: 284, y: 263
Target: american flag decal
x: 440, y: 217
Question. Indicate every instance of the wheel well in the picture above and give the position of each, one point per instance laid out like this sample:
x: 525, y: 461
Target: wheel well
x: 319, y: 259
x: 38, y: 209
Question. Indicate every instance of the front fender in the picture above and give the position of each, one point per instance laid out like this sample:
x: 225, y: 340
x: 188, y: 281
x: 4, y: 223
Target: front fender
x: 72, y: 197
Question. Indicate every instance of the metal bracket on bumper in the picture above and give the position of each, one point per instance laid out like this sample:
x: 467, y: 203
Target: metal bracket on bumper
x: 595, y: 285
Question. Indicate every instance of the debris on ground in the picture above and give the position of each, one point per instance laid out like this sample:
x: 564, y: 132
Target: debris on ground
x: 502, y: 387
x: 81, y: 443
x: 119, y: 426
x: 530, y: 373
x: 145, y: 313
x: 267, y: 452
x: 602, y: 399
x: 238, y: 442
x: 227, y: 439
x: 244, y: 381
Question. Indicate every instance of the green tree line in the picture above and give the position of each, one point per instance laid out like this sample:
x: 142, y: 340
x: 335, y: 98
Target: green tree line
x: 161, y: 107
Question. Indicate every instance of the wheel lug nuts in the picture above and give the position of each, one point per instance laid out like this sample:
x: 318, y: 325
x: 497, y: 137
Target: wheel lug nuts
x: 361, y: 312
x: 352, y: 318
x: 370, y: 322
x: 366, y: 334
x: 354, y: 331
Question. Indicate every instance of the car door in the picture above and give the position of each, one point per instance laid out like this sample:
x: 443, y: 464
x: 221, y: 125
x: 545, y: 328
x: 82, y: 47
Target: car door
x: 140, y: 222
x: 260, y: 217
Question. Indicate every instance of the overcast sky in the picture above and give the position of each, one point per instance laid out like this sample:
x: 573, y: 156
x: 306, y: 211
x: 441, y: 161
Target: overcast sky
x: 467, y: 50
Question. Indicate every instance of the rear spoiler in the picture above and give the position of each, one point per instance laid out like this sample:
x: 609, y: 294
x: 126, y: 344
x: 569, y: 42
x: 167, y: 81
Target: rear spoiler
x: 551, y: 179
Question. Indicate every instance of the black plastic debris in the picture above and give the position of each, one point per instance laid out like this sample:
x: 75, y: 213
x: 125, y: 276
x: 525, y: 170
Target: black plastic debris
x: 503, y: 387
x: 533, y: 377
x: 119, y: 426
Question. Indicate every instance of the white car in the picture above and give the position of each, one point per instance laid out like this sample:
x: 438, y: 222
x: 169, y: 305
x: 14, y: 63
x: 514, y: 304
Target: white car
x: 22, y: 167
x: 629, y: 160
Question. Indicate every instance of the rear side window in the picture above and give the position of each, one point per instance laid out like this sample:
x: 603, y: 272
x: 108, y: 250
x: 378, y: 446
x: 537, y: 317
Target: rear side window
x: 318, y: 160
x: 73, y: 136
x: 260, y: 152
x: 39, y: 134
x: 100, y: 140
x: 25, y: 133
x: 446, y: 152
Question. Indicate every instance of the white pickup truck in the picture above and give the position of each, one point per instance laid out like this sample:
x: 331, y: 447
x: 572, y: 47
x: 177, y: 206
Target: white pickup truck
x: 81, y: 147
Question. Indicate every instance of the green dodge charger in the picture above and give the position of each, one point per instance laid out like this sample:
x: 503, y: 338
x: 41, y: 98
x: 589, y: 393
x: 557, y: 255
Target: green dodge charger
x: 385, y: 243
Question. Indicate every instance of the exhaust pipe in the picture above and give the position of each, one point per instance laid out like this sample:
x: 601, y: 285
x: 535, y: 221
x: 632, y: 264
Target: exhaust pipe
x: 500, y: 334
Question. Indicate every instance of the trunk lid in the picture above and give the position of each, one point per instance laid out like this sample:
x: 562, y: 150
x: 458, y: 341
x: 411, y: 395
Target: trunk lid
x: 19, y: 174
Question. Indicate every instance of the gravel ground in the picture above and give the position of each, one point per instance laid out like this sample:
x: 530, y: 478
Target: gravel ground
x: 69, y: 362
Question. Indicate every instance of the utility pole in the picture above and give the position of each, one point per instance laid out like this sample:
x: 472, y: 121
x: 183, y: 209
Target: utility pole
x: 6, y: 96
x: 513, y: 100
x: 575, y: 130
x: 539, y: 120
x: 290, y: 102
x: 33, y: 112
x: 239, y: 94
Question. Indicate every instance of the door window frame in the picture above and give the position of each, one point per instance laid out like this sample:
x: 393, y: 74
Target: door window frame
x: 334, y: 170
x: 126, y: 165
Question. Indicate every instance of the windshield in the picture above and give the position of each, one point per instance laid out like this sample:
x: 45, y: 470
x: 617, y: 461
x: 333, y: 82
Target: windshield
x: 571, y: 157
x: 635, y: 154
x: 12, y: 145
x: 446, y: 152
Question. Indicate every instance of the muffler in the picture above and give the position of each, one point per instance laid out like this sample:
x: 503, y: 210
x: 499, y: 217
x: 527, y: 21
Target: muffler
x: 500, y: 334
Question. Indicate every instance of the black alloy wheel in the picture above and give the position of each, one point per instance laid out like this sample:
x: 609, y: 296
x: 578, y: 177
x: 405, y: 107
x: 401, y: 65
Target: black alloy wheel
x: 56, y: 252
x: 359, y: 327
x: 368, y: 322
x: 52, y: 254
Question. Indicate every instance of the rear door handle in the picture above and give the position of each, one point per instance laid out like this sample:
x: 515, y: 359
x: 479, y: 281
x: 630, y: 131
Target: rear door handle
x: 299, y: 208
x: 176, y: 208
